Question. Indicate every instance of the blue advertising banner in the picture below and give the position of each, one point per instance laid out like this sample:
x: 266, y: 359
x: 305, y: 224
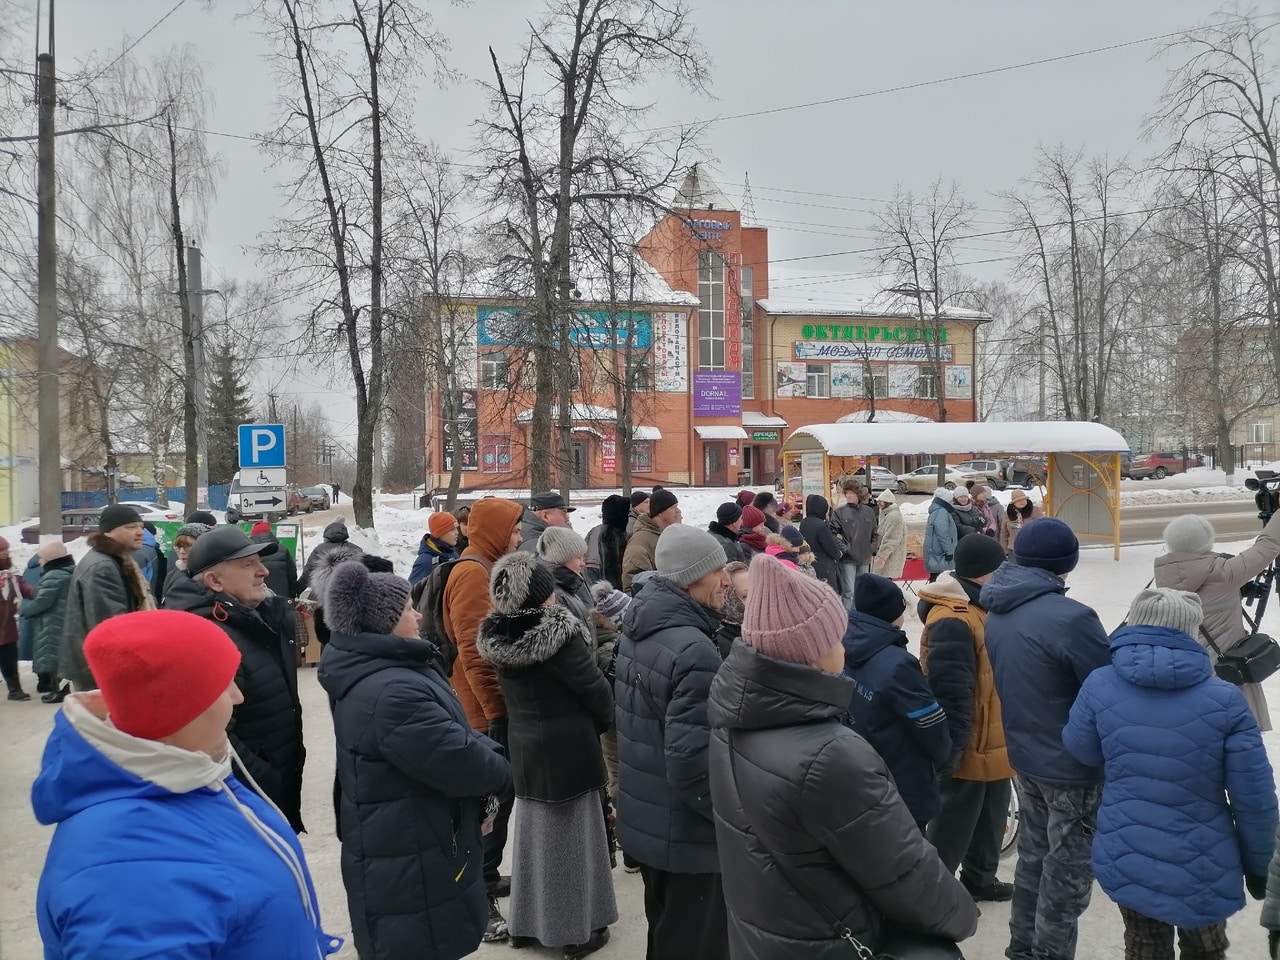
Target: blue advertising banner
x: 590, y: 329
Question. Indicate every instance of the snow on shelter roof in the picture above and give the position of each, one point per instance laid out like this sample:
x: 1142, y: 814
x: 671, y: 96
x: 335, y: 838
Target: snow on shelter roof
x: 904, y: 439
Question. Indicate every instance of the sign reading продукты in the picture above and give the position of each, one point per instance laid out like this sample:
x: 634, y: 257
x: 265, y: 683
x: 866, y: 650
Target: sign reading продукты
x: 261, y: 446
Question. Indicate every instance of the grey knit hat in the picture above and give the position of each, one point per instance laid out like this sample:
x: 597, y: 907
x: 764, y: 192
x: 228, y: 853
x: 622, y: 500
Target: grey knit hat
x: 559, y: 545
x: 1189, y: 534
x: 520, y: 581
x: 357, y: 601
x: 1165, y: 607
x: 610, y: 603
x: 686, y: 554
x: 193, y: 531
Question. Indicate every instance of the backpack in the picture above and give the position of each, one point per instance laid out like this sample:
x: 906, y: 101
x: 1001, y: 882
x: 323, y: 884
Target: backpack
x: 428, y: 599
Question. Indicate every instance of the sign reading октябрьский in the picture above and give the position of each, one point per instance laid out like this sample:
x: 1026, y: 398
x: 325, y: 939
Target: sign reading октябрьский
x: 859, y: 332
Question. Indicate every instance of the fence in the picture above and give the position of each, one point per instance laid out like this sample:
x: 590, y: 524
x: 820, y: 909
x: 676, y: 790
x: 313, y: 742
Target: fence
x: 87, y: 499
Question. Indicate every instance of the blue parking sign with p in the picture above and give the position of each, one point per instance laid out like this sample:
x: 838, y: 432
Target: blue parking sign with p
x: 262, y: 445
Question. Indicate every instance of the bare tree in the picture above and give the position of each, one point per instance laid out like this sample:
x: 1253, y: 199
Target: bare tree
x: 549, y: 151
x: 343, y: 69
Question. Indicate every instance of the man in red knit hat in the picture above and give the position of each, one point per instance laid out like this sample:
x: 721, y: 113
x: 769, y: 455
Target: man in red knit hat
x: 159, y: 850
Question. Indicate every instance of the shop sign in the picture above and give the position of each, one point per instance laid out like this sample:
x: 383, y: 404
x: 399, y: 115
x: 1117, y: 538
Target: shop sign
x: 459, y: 410
x: 609, y: 454
x: 670, y: 355
x: 588, y: 329
x: 959, y: 382
x: 733, y: 310
x: 812, y: 479
x: 710, y: 229
x: 717, y: 393
x: 764, y: 436
x: 908, y: 352
x: 852, y: 333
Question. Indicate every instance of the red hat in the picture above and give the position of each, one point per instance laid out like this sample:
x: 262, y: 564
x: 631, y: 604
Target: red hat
x: 440, y: 523
x: 745, y: 497
x: 752, y: 517
x: 159, y: 669
x: 260, y: 527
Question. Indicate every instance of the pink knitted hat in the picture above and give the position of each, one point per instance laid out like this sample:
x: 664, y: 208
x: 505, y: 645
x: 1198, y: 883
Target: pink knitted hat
x: 790, y: 616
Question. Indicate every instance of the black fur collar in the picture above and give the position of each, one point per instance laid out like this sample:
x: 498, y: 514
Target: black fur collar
x: 529, y: 637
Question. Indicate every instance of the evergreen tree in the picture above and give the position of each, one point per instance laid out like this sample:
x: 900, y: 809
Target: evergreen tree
x: 229, y: 405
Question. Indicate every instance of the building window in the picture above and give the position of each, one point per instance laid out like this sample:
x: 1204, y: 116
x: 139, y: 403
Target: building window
x: 748, y: 334
x: 642, y: 456
x: 1262, y: 432
x: 927, y: 383
x: 876, y: 384
x: 494, y: 372
x: 495, y: 454
x: 711, y: 311
x: 818, y: 380
x: 640, y: 373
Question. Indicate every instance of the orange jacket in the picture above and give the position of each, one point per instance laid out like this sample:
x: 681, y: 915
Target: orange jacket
x: 466, y: 603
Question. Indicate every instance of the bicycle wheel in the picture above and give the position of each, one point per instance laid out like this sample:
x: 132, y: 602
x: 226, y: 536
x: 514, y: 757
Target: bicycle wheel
x: 1009, y: 842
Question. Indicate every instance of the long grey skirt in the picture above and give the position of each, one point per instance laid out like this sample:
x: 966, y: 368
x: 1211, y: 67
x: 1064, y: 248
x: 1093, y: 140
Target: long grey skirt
x: 561, y: 885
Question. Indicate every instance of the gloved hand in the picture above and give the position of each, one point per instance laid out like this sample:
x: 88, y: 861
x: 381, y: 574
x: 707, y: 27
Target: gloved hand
x: 498, y: 730
x: 1257, y: 886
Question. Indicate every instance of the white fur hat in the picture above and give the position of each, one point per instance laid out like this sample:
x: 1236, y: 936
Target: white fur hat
x: 1190, y: 533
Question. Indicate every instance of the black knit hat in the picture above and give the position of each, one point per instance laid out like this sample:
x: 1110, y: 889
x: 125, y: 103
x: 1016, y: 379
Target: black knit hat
x: 878, y: 597
x: 638, y: 497
x: 117, y: 515
x: 727, y: 513
x: 976, y: 556
x: 660, y: 501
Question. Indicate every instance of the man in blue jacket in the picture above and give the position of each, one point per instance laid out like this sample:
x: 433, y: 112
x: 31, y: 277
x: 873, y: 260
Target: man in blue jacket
x: 941, y: 534
x: 1042, y: 647
x: 159, y: 850
x: 1189, y: 803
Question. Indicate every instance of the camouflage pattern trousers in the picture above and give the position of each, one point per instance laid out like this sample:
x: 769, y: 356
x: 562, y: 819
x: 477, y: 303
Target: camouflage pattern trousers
x: 1054, y: 879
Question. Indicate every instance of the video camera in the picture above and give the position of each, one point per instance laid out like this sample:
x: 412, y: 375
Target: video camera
x: 1266, y: 497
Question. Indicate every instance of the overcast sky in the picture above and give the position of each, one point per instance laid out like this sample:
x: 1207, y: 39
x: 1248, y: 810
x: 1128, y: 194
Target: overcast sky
x: 816, y: 172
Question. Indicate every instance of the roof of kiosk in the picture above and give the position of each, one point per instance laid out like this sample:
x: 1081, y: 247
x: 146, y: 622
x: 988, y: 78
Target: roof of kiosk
x: 894, y: 439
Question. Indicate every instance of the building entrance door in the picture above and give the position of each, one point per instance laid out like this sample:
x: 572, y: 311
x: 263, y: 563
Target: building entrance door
x: 579, y: 464
x: 764, y: 465
x: 715, y: 464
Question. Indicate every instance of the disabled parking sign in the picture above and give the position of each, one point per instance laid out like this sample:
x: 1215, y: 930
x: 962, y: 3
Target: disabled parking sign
x: 261, y: 445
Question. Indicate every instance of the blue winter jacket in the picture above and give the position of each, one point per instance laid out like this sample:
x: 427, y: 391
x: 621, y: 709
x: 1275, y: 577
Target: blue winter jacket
x: 896, y: 712
x: 26, y: 625
x: 161, y: 852
x: 941, y: 534
x: 1188, y: 800
x: 431, y: 553
x: 1042, y: 646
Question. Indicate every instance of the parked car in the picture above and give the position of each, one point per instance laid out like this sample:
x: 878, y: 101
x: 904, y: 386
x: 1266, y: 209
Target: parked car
x: 1158, y: 465
x: 75, y: 524
x: 298, y: 501
x: 925, y: 479
x: 882, y: 478
x: 319, y: 495
x: 992, y: 471
x: 1029, y: 472
x: 152, y: 511
x: 1126, y: 466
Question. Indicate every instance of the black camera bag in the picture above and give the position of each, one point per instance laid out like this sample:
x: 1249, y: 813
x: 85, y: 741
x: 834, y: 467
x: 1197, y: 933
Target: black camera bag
x: 1252, y: 660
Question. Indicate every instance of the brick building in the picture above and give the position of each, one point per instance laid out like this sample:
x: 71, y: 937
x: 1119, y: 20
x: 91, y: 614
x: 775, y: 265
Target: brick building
x: 723, y: 369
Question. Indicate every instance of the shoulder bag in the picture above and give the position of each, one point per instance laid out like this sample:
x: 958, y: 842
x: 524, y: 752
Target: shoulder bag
x: 899, y: 944
x: 1252, y: 660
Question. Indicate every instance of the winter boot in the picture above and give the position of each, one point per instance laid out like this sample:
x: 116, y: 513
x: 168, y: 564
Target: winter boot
x: 15, y: 689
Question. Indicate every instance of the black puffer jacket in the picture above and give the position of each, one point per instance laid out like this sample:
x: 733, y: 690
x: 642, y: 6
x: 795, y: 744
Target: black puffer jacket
x: 558, y: 701
x: 666, y: 659
x: 817, y: 533
x: 615, y: 512
x: 733, y: 550
x: 266, y: 730
x: 818, y: 797
x: 412, y: 774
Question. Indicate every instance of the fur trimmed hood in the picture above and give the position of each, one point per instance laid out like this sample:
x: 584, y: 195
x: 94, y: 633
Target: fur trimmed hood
x: 529, y: 637
x: 327, y: 561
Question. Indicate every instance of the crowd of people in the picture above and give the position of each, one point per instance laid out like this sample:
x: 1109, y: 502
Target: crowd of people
x: 733, y: 712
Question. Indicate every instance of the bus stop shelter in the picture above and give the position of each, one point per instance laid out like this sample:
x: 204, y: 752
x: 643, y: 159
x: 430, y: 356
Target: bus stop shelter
x: 1082, y: 486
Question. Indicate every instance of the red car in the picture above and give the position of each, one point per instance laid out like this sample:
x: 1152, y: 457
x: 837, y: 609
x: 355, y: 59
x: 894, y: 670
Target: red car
x: 1159, y: 465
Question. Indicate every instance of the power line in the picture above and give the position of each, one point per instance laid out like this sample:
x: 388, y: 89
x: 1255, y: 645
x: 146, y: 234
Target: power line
x: 125, y: 52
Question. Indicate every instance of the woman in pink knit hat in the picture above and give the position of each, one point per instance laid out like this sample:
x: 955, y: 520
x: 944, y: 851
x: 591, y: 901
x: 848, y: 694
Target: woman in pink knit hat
x: 816, y: 846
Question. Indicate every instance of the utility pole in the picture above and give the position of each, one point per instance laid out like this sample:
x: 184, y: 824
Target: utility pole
x: 48, y: 416
x: 195, y: 302
x: 271, y: 408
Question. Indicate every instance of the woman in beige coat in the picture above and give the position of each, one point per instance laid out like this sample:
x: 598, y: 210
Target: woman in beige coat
x: 1018, y: 514
x: 1192, y: 565
x: 891, y: 554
